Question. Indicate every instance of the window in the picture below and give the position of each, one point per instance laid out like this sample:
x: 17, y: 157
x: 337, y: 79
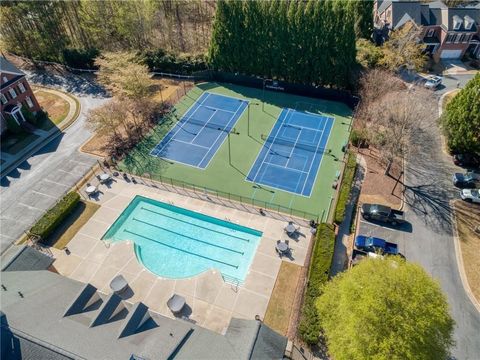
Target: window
x: 468, y: 22
x: 4, y: 99
x: 5, y: 79
x: 21, y: 88
x: 457, y: 22
x: 457, y: 38
x: 12, y: 92
x: 29, y: 101
x: 430, y: 32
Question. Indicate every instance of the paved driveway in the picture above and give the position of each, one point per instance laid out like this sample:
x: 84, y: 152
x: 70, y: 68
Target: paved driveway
x: 40, y: 180
x: 429, y: 190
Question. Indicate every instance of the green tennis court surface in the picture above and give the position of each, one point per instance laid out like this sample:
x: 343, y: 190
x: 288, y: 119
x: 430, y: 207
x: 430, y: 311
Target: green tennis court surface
x: 228, y: 169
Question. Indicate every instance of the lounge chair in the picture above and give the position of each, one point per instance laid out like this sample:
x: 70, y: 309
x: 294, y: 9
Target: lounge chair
x: 118, y: 284
x: 176, y: 303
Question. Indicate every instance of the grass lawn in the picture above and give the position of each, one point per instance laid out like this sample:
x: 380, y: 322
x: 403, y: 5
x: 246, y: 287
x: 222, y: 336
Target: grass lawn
x: 56, y: 107
x: 13, y: 143
x: 467, y: 217
x: 229, y: 179
x: 70, y: 226
x: 280, y: 305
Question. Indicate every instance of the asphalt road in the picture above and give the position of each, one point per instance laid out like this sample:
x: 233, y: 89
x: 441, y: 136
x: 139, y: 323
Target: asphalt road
x: 27, y: 192
x: 430, y: 244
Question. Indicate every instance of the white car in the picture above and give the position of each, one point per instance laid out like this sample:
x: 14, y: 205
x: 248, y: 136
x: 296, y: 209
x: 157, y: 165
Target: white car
x: 470, y: 195
x: 433, y: 82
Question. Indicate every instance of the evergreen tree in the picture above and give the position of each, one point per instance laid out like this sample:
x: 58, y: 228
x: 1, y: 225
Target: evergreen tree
x: 461, y: 120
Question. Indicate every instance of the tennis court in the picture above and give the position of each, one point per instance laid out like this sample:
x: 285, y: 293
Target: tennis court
x: 200, y: 132
x: 291, y: 156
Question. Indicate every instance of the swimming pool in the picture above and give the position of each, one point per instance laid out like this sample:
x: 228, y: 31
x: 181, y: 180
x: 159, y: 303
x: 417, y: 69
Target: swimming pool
x: 177, y: 243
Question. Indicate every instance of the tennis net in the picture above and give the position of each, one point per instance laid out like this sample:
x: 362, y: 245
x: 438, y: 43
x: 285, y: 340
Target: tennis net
x: 299, y: 145
x: 202, y: 123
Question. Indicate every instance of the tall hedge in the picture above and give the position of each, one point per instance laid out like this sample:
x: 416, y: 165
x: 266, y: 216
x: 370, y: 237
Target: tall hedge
x: 321, y: 261
x: 53, y: 217
x: 461, y: 120
x: 298, y: 41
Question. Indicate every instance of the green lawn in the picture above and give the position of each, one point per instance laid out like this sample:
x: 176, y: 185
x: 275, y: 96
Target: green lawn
x: 230, y: 179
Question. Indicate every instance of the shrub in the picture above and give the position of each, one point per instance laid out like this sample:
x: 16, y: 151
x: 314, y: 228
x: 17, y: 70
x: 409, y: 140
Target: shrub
x: 80, y: 58
x: 358, y: 137
x: 41, y: 116
x: 12, y: 125
x: 28, y: 115
x: 368, y: 54
x: 345, y: 187
x: 53, y: 217
x: 160, y: 60
x: 322, y: 256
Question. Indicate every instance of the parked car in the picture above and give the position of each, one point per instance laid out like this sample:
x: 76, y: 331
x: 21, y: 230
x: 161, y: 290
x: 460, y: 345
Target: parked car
x: 470, y: 195
x: 375, y: 245
x: 467, y: 160
x: 433, y: 82
x: 466, y: 180
x: 382, y: 213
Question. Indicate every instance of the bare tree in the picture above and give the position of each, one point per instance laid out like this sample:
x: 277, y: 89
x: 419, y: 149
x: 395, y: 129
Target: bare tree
x: 391, y: 113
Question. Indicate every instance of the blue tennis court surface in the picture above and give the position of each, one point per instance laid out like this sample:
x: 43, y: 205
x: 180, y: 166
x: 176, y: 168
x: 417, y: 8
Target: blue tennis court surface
x: 291, y: 156
x: 196, y: 137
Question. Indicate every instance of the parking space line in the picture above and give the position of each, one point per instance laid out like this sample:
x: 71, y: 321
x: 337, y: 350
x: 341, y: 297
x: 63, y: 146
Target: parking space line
x: 40, y: 193
x: 376, y: 225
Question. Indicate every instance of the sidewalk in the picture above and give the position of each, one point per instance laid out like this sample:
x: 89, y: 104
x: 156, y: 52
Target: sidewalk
x: 340, y: 256
x: 11, y: 161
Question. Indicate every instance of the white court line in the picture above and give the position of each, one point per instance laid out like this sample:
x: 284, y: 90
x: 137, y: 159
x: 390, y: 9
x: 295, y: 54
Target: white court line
x: 293, y: 148
x: 326, y: 144
x: 284, y: 167
x: 217, y: 109
x: 184, y: 142
x: 180, y: 127
x: 264, y: 157
x: 314, y: 157
x: 221, y: 132
x: 204, y: 125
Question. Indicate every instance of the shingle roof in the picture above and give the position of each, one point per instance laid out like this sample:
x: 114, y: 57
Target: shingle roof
x: 42, y: 314
x: 25, y: 258
x: 7, y: 67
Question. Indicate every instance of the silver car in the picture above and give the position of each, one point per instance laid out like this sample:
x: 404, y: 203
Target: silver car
x: 470, y: 195
x: 433, y: 82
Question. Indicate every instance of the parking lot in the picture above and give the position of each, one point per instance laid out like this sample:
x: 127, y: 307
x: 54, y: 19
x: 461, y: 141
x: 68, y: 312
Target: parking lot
x: 393, y: 234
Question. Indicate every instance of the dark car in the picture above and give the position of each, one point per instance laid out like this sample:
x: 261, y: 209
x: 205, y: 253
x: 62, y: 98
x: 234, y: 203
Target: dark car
x: 467, y: 160
x: 382, y: 213
x: 375, y: 245
x: 463, y: 180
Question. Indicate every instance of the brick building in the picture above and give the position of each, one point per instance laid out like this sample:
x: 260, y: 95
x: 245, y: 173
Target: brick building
x: 448, y: 32
x: 15, y: 94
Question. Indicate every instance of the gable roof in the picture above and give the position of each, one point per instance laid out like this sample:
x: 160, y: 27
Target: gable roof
x: 59, y: 311
x: 7, y: 67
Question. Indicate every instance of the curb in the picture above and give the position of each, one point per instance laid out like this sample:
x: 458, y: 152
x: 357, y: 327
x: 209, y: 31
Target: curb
x: 46, y: 140
x: 461, y: 268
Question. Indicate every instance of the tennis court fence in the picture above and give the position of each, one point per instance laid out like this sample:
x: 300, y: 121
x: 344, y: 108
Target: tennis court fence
x: 227, y: 199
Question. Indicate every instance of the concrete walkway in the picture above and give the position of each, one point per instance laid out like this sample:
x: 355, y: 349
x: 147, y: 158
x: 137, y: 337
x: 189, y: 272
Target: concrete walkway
x: 340, y: 256
x: 11, y: 161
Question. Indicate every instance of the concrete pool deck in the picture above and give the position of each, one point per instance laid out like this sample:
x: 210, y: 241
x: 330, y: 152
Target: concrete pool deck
x: 212, y: 302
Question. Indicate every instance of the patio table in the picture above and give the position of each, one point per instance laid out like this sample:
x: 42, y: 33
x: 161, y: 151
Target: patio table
x: 282, y: 247
x: 290, y: 228
x: 90, y: 189
x: 104, y: 177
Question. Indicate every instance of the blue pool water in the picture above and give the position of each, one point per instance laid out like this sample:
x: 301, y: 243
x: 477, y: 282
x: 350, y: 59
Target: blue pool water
x: 176, y: 243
